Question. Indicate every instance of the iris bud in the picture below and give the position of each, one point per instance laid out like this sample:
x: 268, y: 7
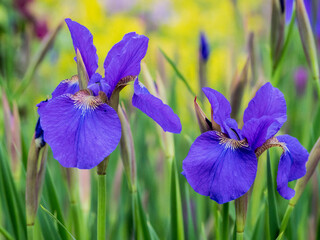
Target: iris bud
x: 12, y: 131
x: 36, y: 166
x: 204, y: 123
x: 237, y: 90
x: 277, y: 28
x: 307, y: 39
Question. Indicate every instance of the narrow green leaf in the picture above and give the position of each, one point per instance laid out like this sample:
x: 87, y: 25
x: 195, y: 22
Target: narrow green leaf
x: 272, y: 205
x: 57, y: 220
x: 258, y: 232
x: 179, y: 74
x: 140, y: 221
x: 54, y: 202
x: 12, y: 199
x: 153, y: 233
x: 48, y: 227
x: 191, y: 224
x: 177, y: 231
x: 6, y: 234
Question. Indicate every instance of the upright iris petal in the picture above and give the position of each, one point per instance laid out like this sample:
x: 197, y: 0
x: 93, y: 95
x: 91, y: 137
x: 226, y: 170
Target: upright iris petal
x: 219, y: 167
x: 80, y: 129
x: 124, y: 59
x: 291, y: 165
x: 264, y: 115
x: 83, y: 40
x: 155, y: 108
x: 221, y: 110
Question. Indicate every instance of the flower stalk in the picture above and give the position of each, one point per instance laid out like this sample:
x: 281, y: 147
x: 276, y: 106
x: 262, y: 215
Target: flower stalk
x: 241, y: 214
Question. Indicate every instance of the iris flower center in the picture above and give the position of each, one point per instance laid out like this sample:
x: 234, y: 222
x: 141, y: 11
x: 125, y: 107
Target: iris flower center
x: 85, y: 101
x: 232, y: 143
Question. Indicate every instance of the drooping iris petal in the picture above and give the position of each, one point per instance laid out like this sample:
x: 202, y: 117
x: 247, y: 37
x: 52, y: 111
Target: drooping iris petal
x: 155, y: 108
x: 291, y: 165
x: 83, y: 40
x: 264, y: 115
x: 67, y: 86
x: 124, y: 59
x: 220, y: 106
x: 219, y: 167
x: 81, y: 129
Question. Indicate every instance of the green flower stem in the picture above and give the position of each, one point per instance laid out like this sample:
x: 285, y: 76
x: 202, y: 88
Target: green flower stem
x: 240, y: 235
x: 30, y: 229
x: 76, y: 216
x: 225, y: 221
x: 101, y: 207
x: 241, y: 214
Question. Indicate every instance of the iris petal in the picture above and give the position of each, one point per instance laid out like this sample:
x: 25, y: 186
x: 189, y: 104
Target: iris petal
x: 288, y: 9
x: 220, y: 106
x: 155, y: 108
x: 67, y: 86
x: 124, y: 59
x: 214, y: 168
x: 80, y: 129
x: 83, y: 40
x: 264, y: 115
x: 291, y: 165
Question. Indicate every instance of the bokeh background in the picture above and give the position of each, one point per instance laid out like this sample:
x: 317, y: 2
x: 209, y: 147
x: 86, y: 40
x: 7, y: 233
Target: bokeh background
x: 174, y: 26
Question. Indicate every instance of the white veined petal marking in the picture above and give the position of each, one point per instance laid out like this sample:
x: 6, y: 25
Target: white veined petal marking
x: 84, y: 101
x: 231, y: 143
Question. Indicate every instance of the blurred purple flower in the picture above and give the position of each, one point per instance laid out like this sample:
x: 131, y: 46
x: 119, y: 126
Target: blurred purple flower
x: 40, y: 26
x: 314, y: 15
x: 81, y: 128
x: 289, y: 8
x: 204, y: 49
x: 300, y: 79
x: 223, y: 165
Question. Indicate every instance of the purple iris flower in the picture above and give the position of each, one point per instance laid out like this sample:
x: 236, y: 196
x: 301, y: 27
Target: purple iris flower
x: 79, y: 125
x: 223, y: 164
